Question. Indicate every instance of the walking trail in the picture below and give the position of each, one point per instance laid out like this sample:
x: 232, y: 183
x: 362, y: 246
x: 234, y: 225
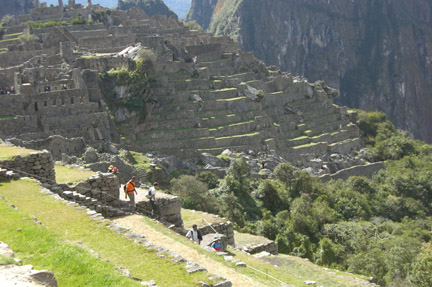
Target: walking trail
x: 137, y: 224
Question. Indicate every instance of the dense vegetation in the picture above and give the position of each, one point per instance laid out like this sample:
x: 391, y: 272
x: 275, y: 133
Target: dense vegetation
x: 379, y: 227
x: 137, y: 82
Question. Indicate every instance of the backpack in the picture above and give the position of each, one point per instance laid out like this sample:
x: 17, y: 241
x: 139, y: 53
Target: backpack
x: 124, y: 188
x: 148, y: 195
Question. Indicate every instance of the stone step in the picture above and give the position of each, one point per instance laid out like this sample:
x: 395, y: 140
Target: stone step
x: 298, y: 141
x: 345, y: 147
x: 348, y: 131
x: 316, y: 122
x: 190, y: 83
x: 235, y: 128
x: 326, y: 127
x: 216, y: 72
x: 250, y: 139
x: 216, y: 64
x: 235, y: 79
x: 318, y: 113
x: 173, y: 134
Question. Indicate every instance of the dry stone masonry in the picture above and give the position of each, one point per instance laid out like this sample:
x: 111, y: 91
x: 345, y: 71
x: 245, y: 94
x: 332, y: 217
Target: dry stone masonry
x: 37, y: 164
x: 206, y: 96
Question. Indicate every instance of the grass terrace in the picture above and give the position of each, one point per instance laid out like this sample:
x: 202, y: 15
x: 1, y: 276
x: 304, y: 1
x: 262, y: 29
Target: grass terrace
x: 199, y: 218
x: 63, y: 242
x: 66, y: 174
x: 9, y: 152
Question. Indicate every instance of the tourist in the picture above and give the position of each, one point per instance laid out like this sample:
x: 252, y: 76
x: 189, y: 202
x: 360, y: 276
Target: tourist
x: 217, y: 245
x: 12, y: 90
x: 130, y: 192
x: 194, y: 234
x: 64, y: 87
x: 153, y: 201
x: 110, y: 168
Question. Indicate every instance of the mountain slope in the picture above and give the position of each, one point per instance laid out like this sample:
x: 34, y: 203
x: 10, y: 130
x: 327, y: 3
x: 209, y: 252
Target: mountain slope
x: 151, y: 7
x: 377, y: 53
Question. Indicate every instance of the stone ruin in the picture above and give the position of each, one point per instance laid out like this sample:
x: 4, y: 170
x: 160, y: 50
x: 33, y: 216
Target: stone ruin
x: 207, y: 96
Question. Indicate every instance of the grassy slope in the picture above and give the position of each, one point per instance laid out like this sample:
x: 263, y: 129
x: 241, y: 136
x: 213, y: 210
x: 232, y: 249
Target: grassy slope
x: 191, y: 217
x: 66, y: 174
x: 8, y: 152
x: 66, y: 224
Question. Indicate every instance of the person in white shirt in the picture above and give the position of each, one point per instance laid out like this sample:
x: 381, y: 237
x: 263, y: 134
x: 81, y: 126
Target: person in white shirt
x: 153, y: 201
x: 194, y: 234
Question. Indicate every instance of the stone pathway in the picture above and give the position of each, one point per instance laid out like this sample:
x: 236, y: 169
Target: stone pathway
x: 136, y: 224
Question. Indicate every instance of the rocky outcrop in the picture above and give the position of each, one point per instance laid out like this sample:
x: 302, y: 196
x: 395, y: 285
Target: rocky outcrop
x: 377, y: 53
x: 150, y: 7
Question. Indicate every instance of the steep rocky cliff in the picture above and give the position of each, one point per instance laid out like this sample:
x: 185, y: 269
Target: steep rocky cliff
x: 15, y: 7
x: 377, y: 53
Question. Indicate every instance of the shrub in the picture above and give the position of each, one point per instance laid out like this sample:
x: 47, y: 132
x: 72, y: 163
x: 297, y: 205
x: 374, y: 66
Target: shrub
x: 27, y: 38
x: 193, y: 25
x: 78, y: 21
x: 193, y: 193
x: 209, y: 178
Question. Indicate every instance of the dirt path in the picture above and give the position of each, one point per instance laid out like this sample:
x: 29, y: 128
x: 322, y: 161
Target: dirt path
x: 136, y: 224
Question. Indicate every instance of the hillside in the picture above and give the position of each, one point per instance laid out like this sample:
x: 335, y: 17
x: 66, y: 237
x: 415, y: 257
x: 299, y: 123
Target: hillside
x: 365, y: 49
x: 151, y: 7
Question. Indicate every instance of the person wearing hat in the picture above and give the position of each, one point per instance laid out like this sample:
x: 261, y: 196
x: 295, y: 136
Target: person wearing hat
x: 194, y: 234
x: 217, y: 245
x: 110, y: 168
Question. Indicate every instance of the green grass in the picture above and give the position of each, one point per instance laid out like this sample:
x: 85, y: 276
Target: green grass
x: 9, y: 152
x: 53, y: 245
x: 139, y: 160
x: 9, y: 40
x: 8, y: 118
x: 231, y: 99
x: 4, y: 260
x: 13, y: 35
x: 249, y: 239
x: 305, y: 145
x: 191, y: 217
x: 239, y: 136
x: 65, y: 174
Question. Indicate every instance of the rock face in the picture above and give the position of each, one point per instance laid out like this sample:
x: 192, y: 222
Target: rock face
x: 151, y: 7
x: 15, y: 7
x: 377, y: 53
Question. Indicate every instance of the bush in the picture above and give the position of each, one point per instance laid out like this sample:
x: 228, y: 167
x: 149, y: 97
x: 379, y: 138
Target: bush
x: 209, y: 178
x: 193, y: 25
x: 193, y: 193
x: 27, y: 38
x: 78, y: 21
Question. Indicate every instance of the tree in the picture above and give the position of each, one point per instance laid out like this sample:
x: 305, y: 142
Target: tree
x: 193, y: 193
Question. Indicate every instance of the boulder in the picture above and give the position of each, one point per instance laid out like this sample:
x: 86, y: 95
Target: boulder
x: 91, y: 155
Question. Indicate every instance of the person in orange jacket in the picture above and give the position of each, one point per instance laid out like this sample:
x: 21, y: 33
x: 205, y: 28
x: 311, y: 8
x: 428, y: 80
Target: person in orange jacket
x: 130, y: 192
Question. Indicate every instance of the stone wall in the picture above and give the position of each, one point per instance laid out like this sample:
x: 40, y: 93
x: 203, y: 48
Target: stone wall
x: 103, y: 187
x: 271, y: 247
x: 361, y: 170
x: 55, y: 144
x: 38, y: 164
x: 170, y: 209
x: 222, y: 228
